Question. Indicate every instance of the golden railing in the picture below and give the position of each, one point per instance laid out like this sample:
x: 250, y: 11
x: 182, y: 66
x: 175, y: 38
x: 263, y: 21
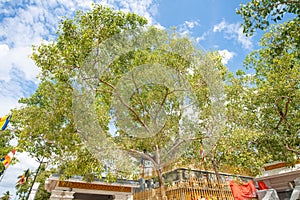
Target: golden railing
x: 189, y: 190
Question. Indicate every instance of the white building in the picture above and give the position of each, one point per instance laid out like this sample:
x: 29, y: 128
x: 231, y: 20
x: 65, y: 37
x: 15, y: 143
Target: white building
x: 280, y: 177
x: 77, y: 189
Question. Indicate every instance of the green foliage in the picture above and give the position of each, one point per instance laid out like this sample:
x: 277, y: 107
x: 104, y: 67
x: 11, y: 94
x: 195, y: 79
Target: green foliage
x: 265, y: 105
x: 45, y: 125
x: 236, y: 149
x: 6, y: 196
x: 268, y: 100
x: 257, y: 14
x: 238, y: 154
x: 5, y: 147
x: 23, y: 189
x: 6, y: 137
x: 277, y: 96
x: 41, y: 193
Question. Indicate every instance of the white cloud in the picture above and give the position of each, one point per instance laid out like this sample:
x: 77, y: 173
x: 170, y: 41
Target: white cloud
x: 202, y: 37
x: 6, y: 105
x: 219, y: 27
x: 17, y: 86
x: 192, y: 24
x: 146, y: 8
x: 36, y: 21
x: 187, y: 26
x: 3, y: 50
x: 234, y: 31
x: 17, y: 57
x: 226, y: 55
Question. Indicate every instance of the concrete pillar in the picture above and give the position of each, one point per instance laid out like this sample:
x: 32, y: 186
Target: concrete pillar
x: 61, y: 195
x: 267, y: 194
x: 296, y: 191
x: 33, y: 191
x: 180, y: 175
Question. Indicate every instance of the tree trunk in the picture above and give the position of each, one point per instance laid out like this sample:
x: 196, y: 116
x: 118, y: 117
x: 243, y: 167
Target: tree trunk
x: 161, y: 185
x: 215, y: 164
x: 216, y: 169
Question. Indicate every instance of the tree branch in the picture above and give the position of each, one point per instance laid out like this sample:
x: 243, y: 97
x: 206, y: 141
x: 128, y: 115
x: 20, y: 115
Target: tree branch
x: 139, y: 99
x: 144, y: 155
x: 281, y: 113
x: 161, y: 104
x: 127, y: 106
x: 291, y: 149
x: 179, y: 142
x: 107, y: 83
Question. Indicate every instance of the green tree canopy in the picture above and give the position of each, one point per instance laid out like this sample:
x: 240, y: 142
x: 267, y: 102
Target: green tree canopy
x: 45, y: 125
x: 270, y: 96
x: 152, y: 86
x: 275, y: 96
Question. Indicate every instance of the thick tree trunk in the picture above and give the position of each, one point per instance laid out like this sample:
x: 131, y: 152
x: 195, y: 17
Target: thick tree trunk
x: 216, y: 169
x: 161, y: 185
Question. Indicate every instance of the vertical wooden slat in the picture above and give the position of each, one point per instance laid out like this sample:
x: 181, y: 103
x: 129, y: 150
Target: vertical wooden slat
x: 193, y: 189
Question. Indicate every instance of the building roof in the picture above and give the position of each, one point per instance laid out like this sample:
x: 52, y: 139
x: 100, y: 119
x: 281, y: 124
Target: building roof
x: 76, y: 182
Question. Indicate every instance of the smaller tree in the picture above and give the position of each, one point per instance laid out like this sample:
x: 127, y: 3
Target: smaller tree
x: 44, y: 173
x: 6, y: 196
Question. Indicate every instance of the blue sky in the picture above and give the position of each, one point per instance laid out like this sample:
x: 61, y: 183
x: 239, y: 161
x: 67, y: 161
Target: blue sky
x: 213, y: 24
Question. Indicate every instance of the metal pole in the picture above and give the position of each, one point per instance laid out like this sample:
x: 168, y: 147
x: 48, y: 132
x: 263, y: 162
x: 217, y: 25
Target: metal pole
x: 36, y: 174
x: 2, y: 175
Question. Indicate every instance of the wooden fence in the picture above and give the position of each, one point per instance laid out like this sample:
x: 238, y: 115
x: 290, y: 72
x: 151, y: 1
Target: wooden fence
x: 192, y: 189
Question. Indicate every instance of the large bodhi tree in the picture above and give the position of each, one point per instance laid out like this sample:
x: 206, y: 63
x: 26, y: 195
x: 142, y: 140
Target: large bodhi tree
x: 100, y: 97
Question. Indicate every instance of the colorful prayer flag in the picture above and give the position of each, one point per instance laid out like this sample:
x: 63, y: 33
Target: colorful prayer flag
x: 23, y: 178
x: 4, y: 122
x: 7, y: 159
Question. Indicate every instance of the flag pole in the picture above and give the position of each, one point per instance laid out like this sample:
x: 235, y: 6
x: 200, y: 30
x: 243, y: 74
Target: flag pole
x: 6, y: 161
x: 35, y: 176
x: 2, y: 175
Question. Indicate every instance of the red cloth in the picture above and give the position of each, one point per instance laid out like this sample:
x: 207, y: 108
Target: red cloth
x: 262, y: 185
x: 243, y: 191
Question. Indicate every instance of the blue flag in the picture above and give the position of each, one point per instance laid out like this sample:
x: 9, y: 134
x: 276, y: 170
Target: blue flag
x: 4, y: 122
